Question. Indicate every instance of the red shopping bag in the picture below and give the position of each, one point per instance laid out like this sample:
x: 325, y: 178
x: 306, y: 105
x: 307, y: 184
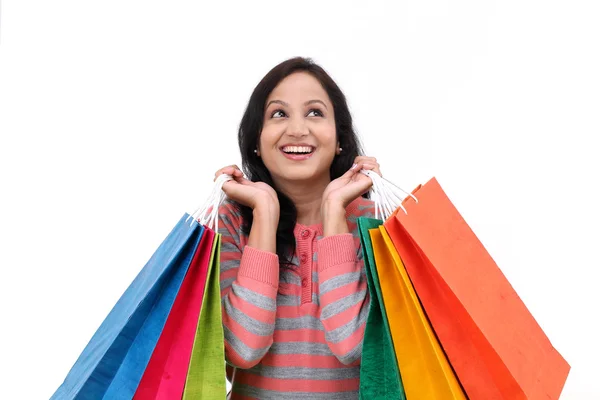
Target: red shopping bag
x: 494, y: 344
x: 165, y: 375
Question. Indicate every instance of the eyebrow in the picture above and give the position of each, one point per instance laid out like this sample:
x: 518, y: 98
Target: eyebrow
x: 287, y: 105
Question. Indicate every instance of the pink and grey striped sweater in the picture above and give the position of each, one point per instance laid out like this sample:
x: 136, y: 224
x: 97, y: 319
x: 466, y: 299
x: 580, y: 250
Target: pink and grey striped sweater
x: 294, y: 334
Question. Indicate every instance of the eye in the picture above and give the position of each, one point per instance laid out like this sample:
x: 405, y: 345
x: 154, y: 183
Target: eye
x: 275, y: 112
x: 319, y: 113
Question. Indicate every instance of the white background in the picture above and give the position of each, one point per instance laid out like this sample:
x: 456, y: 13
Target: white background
x: 114, y: 116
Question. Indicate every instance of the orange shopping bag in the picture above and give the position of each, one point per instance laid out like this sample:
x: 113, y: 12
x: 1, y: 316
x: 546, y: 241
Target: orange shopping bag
x: 425, y: 371
x: 493, y: 343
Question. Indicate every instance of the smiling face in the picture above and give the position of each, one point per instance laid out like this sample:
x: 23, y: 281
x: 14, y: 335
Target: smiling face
x: 298, y: 140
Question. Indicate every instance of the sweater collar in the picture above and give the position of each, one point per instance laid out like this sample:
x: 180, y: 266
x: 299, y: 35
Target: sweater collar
x: 351, y: 209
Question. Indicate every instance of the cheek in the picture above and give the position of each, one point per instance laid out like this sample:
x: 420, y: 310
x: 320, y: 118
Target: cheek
x: 267, y: 137
x: 328, y: 136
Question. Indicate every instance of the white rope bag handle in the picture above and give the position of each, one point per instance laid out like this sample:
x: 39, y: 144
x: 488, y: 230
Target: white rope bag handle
x: 208, y: 214
x: 386, y: 195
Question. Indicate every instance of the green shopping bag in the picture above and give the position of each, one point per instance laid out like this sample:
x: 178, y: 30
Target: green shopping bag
x: 206, y: 374
x: 379, y: 374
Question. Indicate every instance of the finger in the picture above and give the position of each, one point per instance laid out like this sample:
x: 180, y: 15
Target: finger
x: 367, y: 165
x: 371, y: 160
x: 368, y: 159
x: 353, y: 170
x: 375, y: 167
x: 237, y: 173
x: 243, y: 180
x: 222, y: 171
x: 235, y: 181
x: 350, y: 172
x: 229, y: 188
x: 364, y: 178
x: 372, y: 167
x: 232, y: 170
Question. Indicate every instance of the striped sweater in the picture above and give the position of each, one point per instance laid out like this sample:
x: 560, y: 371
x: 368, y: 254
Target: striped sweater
x: 294, y: 334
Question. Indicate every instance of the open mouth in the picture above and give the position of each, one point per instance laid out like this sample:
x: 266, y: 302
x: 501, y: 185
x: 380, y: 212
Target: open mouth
x: 298, y: 150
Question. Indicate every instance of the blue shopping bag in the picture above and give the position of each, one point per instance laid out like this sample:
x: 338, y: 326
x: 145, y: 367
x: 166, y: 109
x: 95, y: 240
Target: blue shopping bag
x: 114, y: 360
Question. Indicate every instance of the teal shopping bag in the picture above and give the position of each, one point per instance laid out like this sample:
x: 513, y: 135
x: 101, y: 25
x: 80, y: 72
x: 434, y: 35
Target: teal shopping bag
x: 379, y: 375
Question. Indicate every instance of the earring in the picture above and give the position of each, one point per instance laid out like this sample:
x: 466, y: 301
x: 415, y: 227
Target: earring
x: 255, y: 151
x: 340, y: 149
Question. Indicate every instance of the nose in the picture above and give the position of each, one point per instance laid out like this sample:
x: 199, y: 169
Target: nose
x: 297, y: 127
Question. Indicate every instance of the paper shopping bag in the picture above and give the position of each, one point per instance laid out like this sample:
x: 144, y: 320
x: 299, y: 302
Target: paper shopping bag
x: 206, y: 373
x: 165, y: 375
x: 494, y: 344
x: 133, y: 325
x: 379, y: 374
x: 425, y: 370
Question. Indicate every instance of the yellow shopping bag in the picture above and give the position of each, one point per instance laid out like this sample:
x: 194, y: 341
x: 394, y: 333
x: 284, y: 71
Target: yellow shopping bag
x: 424, y: 368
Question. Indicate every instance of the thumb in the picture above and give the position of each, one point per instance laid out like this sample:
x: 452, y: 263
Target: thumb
x: 351, y: 172
x: 243, y: 181
x: 228, y: 186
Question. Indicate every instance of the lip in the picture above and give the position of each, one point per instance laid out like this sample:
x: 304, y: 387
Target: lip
x: 297, y: 157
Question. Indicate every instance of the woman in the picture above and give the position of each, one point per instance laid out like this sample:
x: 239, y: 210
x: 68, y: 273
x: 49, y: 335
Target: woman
x: 293, y: 288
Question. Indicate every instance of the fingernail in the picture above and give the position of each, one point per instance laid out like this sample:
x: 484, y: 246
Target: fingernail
x: 354, y: 166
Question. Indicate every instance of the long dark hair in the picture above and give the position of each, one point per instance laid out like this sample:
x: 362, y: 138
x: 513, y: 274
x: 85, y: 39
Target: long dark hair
x: 249, y: 132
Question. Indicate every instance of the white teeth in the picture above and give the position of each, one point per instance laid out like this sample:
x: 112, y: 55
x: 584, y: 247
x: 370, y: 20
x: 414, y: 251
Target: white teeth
x: 297, y: 149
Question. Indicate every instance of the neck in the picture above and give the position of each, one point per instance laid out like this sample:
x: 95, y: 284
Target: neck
x: 307, y: 197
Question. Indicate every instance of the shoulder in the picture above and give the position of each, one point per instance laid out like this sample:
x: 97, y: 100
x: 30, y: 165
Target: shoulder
x: 230, y: 216
x: 229, y: 208
x: 361, y: 207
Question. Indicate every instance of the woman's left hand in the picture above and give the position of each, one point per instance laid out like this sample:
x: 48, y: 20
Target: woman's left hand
x: 343, y: 190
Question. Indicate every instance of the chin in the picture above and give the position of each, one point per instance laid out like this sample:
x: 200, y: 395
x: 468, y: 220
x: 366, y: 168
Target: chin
x: 299, y: 174
x: 300, y: 177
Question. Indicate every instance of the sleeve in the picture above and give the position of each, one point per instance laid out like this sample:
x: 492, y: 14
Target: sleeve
x: 249, y: 280
x: 343, y: 296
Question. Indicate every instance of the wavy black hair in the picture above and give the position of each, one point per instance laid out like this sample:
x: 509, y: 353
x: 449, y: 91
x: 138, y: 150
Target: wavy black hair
x: 249, y: 132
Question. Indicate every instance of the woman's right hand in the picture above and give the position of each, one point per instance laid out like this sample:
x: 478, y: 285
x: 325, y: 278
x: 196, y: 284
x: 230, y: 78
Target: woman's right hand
x: 246, y: 192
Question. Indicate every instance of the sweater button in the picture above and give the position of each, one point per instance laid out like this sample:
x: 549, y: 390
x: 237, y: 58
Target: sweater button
x: 303, y: 258
x: 304, y: 282
x: 304, y: 234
